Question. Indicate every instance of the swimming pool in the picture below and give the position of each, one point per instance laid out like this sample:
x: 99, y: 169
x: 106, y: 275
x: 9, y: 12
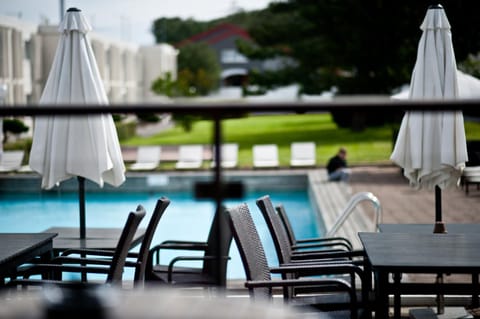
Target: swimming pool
x: 185, y: 219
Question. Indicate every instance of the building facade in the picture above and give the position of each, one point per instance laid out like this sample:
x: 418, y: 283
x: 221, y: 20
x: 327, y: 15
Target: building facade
x: 127, y: 70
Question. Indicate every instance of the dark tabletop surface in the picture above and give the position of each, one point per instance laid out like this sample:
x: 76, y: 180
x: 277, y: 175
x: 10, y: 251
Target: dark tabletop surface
x: 423, y: 252
x: 96, y: 238
x: 15, y: 244
x: 428, y: 228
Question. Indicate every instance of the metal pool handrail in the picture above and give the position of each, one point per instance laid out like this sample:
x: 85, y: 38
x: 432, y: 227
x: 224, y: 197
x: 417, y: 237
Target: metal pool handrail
x: 350, y: 208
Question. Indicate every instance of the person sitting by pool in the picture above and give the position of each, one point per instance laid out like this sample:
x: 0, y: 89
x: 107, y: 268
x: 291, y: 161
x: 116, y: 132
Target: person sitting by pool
x: 337, y: 167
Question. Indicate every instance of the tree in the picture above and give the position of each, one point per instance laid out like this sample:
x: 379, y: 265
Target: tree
x: 359, y: 47
x: 198, y: 74
x: 13, y: 126
x: 174, y: 30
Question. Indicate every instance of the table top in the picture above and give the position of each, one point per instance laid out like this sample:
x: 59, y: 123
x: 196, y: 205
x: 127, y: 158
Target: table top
x: 428, y: 228
x: 96, y: 238
x: 16, y: 244
x: 423, y: 252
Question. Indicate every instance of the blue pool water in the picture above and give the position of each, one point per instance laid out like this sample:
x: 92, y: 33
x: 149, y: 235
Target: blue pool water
x: 185, y: 219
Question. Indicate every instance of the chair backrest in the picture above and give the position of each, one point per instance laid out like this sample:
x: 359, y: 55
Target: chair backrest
x: 190, y: 153
x: 277, y: 231
x: 303, y: 151
x: 160, y: 208
x: 249, y: 246
x: 11, y: 159
x: 148, y: 154
x: 123, y: 246
x: 282, y: 213
x: 265, y: 152
x: 218, y: 244
x: 229, y: 154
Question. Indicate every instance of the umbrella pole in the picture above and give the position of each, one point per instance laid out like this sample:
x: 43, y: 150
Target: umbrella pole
x: 81, y: 201
x: 440, y: 227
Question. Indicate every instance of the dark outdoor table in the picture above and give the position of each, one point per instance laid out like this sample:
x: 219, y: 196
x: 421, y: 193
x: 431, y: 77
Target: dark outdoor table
x: 19, y: 248
x: 425, y: 253
x: 96, y: 238
x: 428, y: 228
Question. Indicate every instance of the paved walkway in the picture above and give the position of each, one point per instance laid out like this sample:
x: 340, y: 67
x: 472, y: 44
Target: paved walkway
x: 403, y: 204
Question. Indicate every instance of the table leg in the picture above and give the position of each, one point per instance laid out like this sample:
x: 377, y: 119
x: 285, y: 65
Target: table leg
x: 381, y: 294
x: 440, y: 297
x: 475, y: 283
x: 397, y: 303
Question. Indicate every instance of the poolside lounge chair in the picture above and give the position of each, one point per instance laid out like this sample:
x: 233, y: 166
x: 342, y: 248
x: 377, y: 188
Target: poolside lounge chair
x: 148, y: 158
x: 229, y: 155
x: 470, y: 175
x: 213, y: 270
x: 321, y: 291
x: 138, y: 260
x: 302, y: 154
x: 265, y: 155
x: 114, y: 270
x: 11, y: 160
x: 189, y: 157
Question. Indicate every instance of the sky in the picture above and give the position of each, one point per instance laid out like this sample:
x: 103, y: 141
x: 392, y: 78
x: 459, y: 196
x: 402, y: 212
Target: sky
x: 127, y: 20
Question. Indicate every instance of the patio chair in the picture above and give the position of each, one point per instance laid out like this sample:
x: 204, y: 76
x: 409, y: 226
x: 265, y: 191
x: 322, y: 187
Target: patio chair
x: 265, y: 156
x: 303, y: 154
x: 470, y: 175
x: 189, y: 157
x: 322, y: 291
x: 148, y: 158
x: 308, y: 243
x: 11, y: 160
x: 288, y: 255
x: 229, y: 155
x: 137, y: 260
x: 213, y: 262
x: 345, y: 264
x: 114, y: 270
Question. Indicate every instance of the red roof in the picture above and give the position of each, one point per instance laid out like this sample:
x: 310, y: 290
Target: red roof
x: 216, y: 34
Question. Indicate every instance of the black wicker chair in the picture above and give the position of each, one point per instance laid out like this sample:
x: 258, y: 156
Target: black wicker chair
x: 114, y: 270
x: 213, y: 269
x: 322, y: 291
x: 310, y: 243
x: 137, y: 260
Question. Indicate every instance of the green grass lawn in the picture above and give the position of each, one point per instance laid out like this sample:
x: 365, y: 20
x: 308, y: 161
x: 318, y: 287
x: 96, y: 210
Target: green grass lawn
x: 371, y: 146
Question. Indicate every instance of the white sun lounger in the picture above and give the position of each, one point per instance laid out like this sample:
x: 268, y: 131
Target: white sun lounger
x: 11, y: 160
x: 229, y: 155
x: 265, y: 155
x: 148, y: 158
x: 189, y: 157
x: 302, y: 154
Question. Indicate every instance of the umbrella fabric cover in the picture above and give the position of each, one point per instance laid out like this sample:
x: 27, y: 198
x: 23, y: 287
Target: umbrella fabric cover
x: 431, y: 146
x: 68, y: 146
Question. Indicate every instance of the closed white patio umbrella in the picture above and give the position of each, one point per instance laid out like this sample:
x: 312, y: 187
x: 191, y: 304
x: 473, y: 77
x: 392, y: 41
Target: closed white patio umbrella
x: 431, y: 146
x: 85, y: 146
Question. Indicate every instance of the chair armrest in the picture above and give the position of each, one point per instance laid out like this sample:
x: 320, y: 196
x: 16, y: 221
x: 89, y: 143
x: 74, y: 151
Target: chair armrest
x: 324, y: 239
x: 298, y: 282
x: 171, y: 265
x: 318, y: 269
x: 328, y: 254
x: 180, y: 246
x: 174, y: 245
x: 340, y: 245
